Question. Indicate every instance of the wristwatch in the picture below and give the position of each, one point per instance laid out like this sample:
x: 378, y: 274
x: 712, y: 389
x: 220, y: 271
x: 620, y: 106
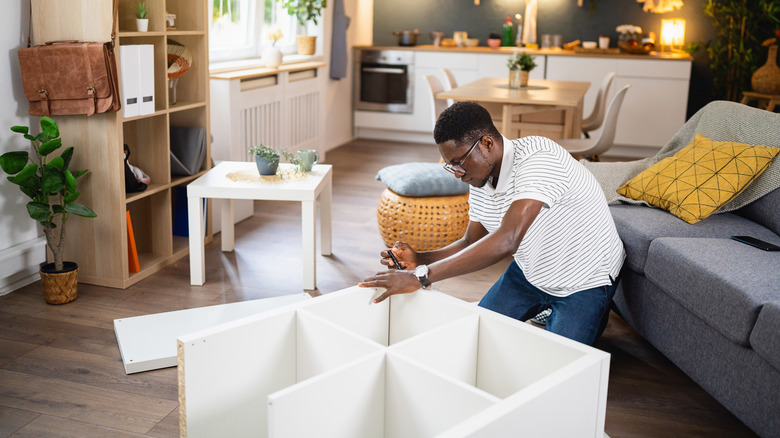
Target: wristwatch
x: 421, y: 272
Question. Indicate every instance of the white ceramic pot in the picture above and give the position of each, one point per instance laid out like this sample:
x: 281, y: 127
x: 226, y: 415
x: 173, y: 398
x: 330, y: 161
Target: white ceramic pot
x: 272, y: 57
x: 142, y: 24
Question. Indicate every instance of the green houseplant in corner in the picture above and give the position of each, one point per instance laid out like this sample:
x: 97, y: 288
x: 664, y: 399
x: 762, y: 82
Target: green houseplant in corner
x: 51, y: 187
x: 520, y: 65
x: 305, y: 11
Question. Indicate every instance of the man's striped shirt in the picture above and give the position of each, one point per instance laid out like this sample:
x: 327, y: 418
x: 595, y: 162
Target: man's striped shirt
x: 572, y: 244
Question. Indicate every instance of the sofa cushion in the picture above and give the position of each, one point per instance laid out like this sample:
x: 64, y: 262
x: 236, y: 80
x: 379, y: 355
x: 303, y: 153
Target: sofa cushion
x: 421, y: 179
x: 765, y: 211
x: 638, y: 225
x: 722, y: 281
x: 764, y: 338
x: 700, y: 178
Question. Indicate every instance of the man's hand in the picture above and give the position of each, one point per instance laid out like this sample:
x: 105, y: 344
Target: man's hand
x: 394, y: 281
x: 405, y: 255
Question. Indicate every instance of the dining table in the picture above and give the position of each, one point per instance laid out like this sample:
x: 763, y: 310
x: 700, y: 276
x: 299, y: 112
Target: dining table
x: 543, y: 107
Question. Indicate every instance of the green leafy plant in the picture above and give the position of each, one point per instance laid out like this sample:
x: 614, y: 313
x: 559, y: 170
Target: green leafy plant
x: 304, y: 10
x: 736, y: 52
x: 272, y: 154
x: 522, y: 61
x: 141, y: 10
x: 48, y: 182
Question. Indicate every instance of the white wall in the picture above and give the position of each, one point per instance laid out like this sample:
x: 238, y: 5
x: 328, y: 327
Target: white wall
x: 338, y: 95
x: 21, y: 244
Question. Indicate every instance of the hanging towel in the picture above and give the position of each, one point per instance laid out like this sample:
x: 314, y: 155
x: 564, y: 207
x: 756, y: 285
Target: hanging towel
x: 338, y: 43
x: 529, y: 29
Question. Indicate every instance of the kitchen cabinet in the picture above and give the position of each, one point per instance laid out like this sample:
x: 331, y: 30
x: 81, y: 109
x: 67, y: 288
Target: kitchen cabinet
x: 653, y: 110
x: 100, y: 245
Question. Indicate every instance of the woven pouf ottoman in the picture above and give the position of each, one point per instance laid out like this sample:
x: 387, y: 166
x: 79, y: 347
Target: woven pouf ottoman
x: 424, y: 223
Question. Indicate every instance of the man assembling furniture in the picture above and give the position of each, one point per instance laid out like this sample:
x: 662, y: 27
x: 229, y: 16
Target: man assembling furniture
x: 530, y: 199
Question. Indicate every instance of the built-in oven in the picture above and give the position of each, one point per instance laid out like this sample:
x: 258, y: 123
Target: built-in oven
x: 384, y: 81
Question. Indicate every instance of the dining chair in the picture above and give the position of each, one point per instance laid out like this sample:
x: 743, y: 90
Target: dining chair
x: 596, y: 117
x: 590, y: 148
x: 437, y: 105
x: 450, y: 82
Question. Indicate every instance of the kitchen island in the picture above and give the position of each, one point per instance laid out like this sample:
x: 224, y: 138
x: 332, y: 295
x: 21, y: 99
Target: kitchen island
x: 653, y: 110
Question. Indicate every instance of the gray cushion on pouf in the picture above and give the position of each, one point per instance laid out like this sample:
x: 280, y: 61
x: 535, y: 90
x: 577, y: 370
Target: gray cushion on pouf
x: 421, y: 179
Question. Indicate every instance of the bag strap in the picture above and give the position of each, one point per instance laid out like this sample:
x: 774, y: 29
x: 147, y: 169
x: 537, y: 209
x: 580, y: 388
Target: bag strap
x: 113, y: 26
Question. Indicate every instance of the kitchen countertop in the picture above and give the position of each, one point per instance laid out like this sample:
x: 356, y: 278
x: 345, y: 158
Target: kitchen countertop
x: 542, y: 52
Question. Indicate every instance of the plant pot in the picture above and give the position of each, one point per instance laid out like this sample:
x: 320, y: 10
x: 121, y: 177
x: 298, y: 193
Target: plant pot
x: 142, y: 24
x: 766, y: 79
x: 265, y: 167
x: 518, y: 78
x: 306, y: 44
x: 59, y: 287
x: 272, y: 57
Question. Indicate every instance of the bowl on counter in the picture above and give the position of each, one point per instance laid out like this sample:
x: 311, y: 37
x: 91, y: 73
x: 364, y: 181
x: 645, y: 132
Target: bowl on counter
x: 589, y: 45
x: 635, y: 48
x: 471, y: 42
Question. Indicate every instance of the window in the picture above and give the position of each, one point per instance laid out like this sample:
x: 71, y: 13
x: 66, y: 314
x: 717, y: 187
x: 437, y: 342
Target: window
x: 238, y: 28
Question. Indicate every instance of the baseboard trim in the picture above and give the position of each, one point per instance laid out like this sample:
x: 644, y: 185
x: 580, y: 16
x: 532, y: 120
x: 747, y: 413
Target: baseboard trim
x: 19, y: 265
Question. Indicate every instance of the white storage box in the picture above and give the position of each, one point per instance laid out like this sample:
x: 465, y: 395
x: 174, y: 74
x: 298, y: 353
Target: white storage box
x: 417, y: 365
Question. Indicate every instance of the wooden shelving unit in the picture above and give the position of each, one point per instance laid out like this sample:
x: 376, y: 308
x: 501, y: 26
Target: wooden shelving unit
x: 99, y: 245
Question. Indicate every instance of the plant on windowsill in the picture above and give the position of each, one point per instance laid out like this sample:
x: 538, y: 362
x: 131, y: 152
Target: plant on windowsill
x: 141, y: 16
x: 305, y: 11
x: 520, y: 65
x: 267, y: 158
x: 51, y: 187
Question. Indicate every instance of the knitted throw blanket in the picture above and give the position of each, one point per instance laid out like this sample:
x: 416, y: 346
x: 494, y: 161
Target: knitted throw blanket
x: 719, y: 121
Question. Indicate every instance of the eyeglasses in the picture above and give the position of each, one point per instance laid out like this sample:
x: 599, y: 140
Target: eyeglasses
x: 457, y: 169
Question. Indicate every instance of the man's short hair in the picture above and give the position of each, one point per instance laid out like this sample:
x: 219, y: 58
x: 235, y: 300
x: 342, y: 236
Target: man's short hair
x: 463, y: 121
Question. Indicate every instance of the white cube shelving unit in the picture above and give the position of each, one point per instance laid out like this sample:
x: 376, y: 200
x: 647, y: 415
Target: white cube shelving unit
x: 417, y: 365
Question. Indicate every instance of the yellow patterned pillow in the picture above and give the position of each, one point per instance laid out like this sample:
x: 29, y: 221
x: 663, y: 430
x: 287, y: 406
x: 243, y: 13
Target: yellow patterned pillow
x: 700, y: 178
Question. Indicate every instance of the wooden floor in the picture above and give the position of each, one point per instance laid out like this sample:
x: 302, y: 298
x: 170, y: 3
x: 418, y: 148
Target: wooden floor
x: 61, y: 374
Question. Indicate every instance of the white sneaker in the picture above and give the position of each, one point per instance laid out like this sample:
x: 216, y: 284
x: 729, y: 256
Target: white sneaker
x: 541, y: 317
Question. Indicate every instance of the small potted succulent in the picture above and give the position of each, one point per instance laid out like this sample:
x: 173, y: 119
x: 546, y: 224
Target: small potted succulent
x: 141, y: 16
x: 267, y: 158
x: 51, y: 187
x: 520, y: 65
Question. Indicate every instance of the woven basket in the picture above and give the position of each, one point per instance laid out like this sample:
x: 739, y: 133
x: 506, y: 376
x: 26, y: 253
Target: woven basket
x: 306, y: 44
x: 424, y: 223
x: 60, y: 287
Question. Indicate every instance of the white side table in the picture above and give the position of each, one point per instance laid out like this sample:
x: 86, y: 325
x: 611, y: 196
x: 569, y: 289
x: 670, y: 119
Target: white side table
x: 216, y: 184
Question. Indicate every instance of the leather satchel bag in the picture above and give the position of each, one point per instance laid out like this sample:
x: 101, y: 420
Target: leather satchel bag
x: 70, y: 77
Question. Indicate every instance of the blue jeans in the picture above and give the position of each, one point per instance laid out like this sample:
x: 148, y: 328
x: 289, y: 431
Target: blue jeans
x: 581, y: 316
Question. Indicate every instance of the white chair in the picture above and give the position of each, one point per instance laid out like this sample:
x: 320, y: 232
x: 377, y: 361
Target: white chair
x: 438, y: 105
x: 449, y: 82
x: 596, y: 117
x: 590, y: 148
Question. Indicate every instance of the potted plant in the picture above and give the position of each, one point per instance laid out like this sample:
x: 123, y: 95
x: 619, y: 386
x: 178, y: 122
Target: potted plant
x: 272, y: 56
x: 267, y: 158
x: 51, y: 187
x: 141, y: 16
x: 305, y: 11
x: 520, y: 65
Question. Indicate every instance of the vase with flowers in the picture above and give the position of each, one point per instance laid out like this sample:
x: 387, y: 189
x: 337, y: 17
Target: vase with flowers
x: 272, y: 56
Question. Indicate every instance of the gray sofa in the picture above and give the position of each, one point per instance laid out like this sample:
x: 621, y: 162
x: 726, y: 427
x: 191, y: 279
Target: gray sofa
x: 708, y: 303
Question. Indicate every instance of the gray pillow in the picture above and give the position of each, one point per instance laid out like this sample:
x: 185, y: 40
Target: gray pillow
x: 421, y: 179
